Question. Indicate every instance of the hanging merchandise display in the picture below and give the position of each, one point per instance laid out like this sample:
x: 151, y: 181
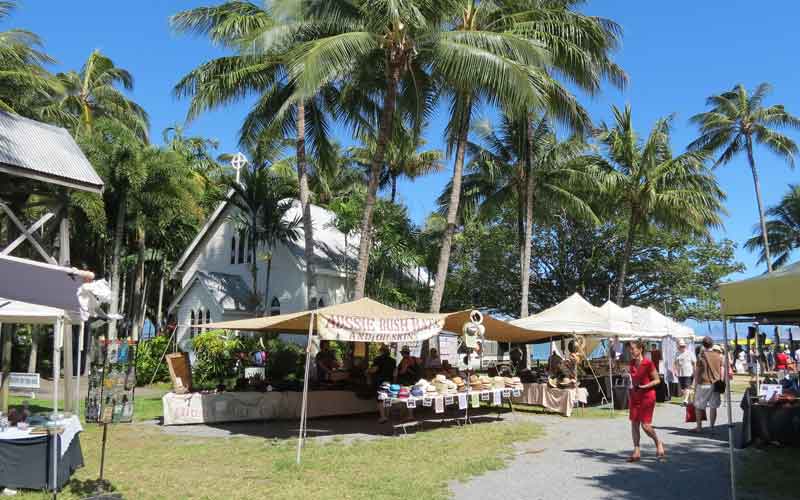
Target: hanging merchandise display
x: 112, y: 382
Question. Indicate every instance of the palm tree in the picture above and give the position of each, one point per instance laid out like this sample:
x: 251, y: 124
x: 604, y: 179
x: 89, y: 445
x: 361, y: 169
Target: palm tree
x: 263, y: 198
x: 734, y: 123
x: 653, y: 187
x: 536, y: 173
x: 403, y: 158
x: 92, y: 93
x: 261, y: 37
x: 783, y: 229
x: 386, y: 41
x: 543, y: 38
x: 25, y: 86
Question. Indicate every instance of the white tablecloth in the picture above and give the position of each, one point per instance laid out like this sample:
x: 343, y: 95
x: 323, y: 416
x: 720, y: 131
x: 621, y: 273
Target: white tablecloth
x: 559, y: 400
x: 204, y: 408
x: 72, y: 426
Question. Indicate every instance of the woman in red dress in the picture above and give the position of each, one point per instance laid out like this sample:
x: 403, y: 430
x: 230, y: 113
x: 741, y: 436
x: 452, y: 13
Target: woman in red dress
x: 642, y: 400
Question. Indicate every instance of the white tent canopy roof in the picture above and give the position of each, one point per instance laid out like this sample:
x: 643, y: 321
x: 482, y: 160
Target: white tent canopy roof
x: 572, y: 316
x: 24, y: 313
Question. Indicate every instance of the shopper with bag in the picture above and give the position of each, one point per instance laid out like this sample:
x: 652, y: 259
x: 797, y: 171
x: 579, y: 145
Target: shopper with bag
x: 709, y: 383
x: 644, y: 378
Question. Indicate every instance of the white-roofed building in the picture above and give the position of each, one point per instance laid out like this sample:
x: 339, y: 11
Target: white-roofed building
x: 216, y: 282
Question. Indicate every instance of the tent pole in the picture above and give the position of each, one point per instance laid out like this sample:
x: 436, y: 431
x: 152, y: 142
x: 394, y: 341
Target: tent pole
x: 727, y: 367
x: 57, y: 333
x: 305, y: 389
x: 78, y: 377
x: 611, y: 373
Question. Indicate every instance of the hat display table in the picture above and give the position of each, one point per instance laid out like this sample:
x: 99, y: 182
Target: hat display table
x: 452, y: 407
x: 558, y: 400
x: 206, y: 408
x: 26, y: 460
x: 768, y: 423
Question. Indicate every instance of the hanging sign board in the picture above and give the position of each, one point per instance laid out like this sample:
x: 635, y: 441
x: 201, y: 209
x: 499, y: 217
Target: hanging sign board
x: 386, y: 330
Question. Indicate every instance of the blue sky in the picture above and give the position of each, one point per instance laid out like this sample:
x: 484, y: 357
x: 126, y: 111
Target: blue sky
x: 676, y: 53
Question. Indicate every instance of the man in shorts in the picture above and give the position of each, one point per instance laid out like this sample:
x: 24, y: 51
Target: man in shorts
x: 709, y: 370
x: 683, y: 367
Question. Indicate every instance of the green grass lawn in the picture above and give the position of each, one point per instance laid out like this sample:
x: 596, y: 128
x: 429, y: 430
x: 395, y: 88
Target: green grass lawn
x: 769, y: 473
x: 143, y: 462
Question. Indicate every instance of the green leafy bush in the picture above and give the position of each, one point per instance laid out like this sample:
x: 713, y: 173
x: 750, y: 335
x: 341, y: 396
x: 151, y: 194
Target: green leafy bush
x: 285, y: 361
x: 216, y: 352
x: 148, y: 361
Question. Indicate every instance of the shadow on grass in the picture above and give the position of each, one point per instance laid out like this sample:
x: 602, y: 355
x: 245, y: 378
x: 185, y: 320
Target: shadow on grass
x: 93, y: 489
x: 342, y: 428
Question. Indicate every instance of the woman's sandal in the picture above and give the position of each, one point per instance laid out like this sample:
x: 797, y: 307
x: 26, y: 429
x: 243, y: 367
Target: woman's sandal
x: 662, y: 456
x: 632, y: 459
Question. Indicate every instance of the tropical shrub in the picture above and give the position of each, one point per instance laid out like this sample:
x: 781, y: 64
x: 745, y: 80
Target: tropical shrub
x: 216, y: 354
x: 149, y: 362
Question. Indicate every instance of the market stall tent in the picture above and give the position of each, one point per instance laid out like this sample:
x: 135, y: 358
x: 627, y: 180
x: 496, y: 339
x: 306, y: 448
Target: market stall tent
x: 572, y: 316
x: 772, y: 296
x: 40, y: 283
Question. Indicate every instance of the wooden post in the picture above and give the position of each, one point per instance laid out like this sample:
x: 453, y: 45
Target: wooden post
x: 64, y: 260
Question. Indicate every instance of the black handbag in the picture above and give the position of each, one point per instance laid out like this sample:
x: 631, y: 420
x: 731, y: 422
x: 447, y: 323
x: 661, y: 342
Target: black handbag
x: 719, y: 386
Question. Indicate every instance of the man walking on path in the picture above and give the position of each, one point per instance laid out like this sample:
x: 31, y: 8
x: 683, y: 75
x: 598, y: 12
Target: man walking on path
x: 709, y: 371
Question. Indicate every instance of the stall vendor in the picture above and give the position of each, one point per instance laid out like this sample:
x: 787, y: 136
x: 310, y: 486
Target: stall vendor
x: 382, y: 370
x: 326, y: 362
x: 410, y: 369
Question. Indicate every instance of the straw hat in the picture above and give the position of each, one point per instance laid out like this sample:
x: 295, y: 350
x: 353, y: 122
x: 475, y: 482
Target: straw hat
x: 474, y: 379
x: 440, y: 378
x: 458, y: 381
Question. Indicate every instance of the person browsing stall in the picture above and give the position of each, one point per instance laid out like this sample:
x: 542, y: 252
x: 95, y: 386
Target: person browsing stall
x: 642, y: 400
x: 684, y: 367
x: 708, y: 374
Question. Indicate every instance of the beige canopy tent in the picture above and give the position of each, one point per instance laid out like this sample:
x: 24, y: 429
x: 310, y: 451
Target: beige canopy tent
x: 302, y: 322
x: 366, y: 320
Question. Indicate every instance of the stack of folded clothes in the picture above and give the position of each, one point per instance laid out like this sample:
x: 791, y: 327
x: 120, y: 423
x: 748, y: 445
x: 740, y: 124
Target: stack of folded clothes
x: 404, y: 393
x: 417, y: 391
x: 394, y: 390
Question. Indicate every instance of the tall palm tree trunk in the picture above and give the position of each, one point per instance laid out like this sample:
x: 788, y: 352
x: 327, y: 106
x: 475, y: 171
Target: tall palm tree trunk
x: 251, y: 240
x: 757, y: 185
x: 266, y: 286
x: 119, y: 232
x: 160, y: 307
x: 139, y: 285
x: 387, y: 116
x: 305, y: 206
x: 394, y: 188
x: 452, y: 209
x: 626, y: 256
x: 525, y: 260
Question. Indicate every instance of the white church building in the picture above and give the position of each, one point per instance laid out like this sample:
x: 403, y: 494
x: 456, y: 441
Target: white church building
x: 216, y: 280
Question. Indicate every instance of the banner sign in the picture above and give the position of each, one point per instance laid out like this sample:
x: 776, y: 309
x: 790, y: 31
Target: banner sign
x: 386, y: 330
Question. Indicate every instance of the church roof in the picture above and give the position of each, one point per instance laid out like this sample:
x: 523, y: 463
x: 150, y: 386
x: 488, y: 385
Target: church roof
x: 329, y: 243
x: 44, y: 152
x: 229, y: 290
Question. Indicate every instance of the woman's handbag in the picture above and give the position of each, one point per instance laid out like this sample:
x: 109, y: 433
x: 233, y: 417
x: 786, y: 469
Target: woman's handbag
x: 719, y: 386
x: 691, y: 414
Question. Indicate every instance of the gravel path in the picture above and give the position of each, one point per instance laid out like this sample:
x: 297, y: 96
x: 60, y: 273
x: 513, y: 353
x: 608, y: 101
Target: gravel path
x: 585, y: 459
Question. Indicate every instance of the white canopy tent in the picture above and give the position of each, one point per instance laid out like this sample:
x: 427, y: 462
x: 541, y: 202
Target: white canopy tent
x: 23, y: 313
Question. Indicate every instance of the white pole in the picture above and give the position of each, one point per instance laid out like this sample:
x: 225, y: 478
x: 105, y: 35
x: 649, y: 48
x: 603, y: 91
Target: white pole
x: 57, y: 335
x: 730, y: 411
x: 78, y: 378
x: 611, y: 373
x: 305, y: 389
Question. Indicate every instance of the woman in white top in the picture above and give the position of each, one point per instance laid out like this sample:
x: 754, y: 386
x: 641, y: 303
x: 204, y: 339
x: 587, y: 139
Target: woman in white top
x: 684, y: 367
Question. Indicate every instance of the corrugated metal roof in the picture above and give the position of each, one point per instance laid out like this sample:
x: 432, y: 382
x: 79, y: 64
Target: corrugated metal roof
x: 44, y: 152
